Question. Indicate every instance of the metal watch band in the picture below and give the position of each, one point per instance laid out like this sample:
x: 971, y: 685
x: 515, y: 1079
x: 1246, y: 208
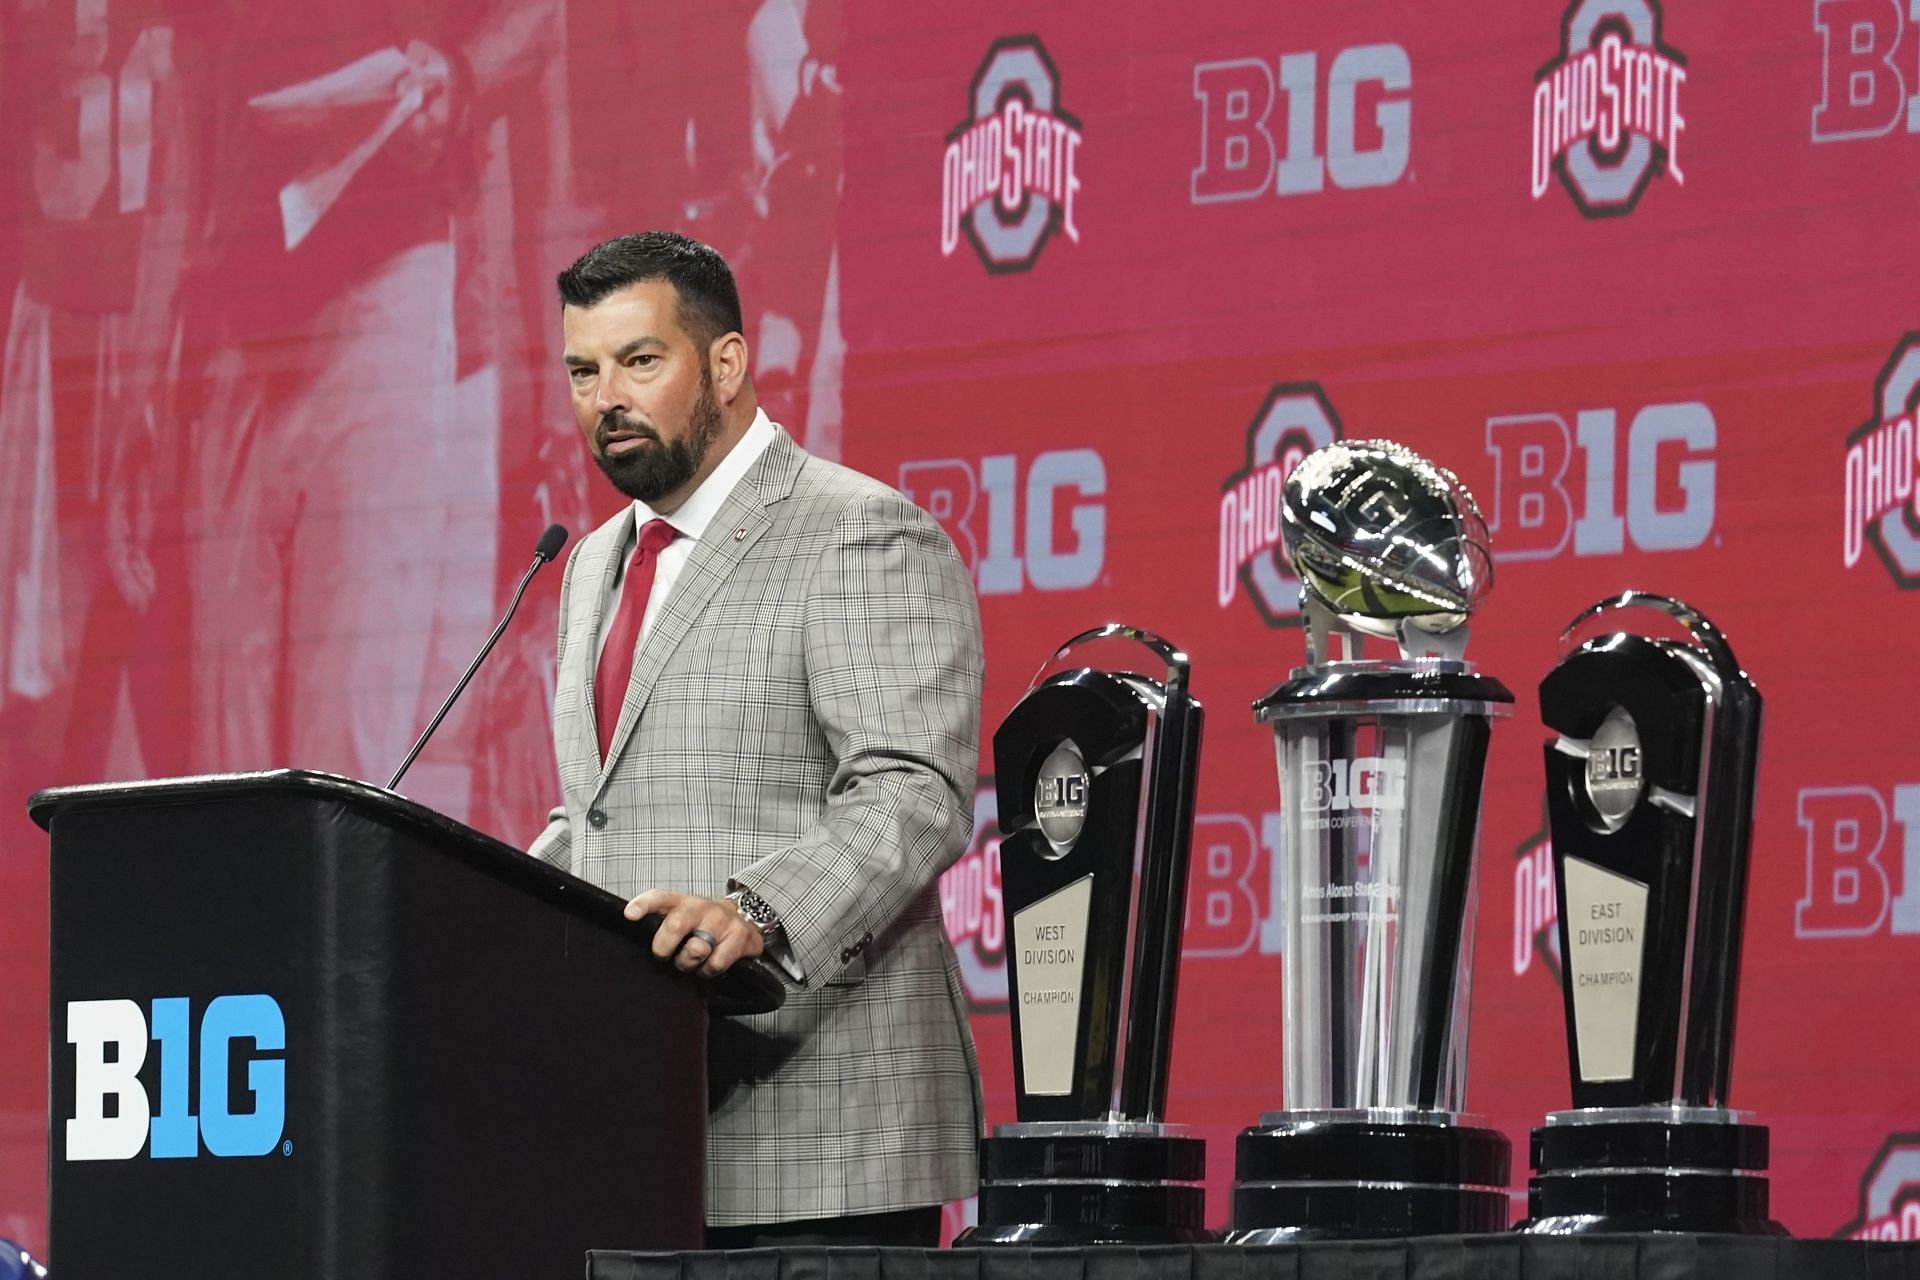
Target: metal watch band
x: 756, y: 910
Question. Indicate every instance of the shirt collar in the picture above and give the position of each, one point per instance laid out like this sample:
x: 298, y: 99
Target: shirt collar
x: 693, y: 516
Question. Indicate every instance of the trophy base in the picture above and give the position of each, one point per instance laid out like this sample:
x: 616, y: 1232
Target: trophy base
x: 1097, y: 1182
x: 1367, y: 1175
x: 1649, y: 1169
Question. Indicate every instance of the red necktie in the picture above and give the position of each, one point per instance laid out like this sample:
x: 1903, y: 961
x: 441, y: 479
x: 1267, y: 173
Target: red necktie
x: 623, y: 632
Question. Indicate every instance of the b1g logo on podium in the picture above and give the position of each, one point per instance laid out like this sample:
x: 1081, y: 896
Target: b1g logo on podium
x: 1883, y: 455
x: 1607, y: 115
x: 1295, y: 419
x: 110, y: 1039
x: 1010, y: 176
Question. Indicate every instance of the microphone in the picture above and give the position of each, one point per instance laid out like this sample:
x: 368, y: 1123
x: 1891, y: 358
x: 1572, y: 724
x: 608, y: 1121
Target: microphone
x: 543, y: 552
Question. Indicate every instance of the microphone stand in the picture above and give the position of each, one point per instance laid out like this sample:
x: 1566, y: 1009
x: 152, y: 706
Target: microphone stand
x: 485, y: 649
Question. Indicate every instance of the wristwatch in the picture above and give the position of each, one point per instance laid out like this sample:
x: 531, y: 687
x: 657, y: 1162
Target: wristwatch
x: 756, y: 911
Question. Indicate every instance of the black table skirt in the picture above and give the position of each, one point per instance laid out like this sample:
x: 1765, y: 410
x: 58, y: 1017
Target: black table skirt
x: 1649, y: 1257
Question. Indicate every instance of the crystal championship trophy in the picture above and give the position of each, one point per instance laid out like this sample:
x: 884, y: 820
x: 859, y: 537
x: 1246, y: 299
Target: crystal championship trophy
x: 1650, y: 787
x: 1095, y: 773
x: 1381, y: 764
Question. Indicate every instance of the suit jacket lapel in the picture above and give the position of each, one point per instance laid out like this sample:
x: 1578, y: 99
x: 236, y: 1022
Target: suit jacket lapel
x: 734, y: 529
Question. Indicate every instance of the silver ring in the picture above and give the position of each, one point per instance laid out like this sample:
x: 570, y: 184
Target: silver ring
x: 704, y: 936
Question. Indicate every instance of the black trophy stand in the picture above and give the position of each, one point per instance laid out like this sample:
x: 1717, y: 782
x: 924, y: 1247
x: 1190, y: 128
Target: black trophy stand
x: 1650, y: 789
x: 1094, y: 890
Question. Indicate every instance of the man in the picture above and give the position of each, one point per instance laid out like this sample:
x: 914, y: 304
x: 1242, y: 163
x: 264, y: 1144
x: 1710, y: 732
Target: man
x: 767, y: 720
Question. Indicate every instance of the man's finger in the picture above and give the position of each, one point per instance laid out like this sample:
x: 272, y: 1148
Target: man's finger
x: 677, y: 924
x: 697, y: 950
x: 733, y: 945
x: 652, y: 902
x: 743, y: 940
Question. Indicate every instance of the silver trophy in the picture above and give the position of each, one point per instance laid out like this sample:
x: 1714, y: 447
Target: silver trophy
x: 1381, y: 762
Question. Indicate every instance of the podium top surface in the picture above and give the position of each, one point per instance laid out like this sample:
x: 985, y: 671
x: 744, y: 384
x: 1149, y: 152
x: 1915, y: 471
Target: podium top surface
x: 751, y: 986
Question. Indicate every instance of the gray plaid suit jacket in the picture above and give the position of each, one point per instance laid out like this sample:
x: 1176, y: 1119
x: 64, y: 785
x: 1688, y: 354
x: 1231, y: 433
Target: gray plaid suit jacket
x: 803, y: 718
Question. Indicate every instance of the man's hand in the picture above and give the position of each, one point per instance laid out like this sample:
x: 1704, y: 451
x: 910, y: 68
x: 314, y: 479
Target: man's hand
x: 707, y: 935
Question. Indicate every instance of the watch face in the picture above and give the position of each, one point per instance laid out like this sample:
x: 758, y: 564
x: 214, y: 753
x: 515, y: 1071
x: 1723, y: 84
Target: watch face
x: 755, y: 908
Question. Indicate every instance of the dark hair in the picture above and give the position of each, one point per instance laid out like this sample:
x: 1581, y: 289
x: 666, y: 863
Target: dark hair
x: 702, y: 282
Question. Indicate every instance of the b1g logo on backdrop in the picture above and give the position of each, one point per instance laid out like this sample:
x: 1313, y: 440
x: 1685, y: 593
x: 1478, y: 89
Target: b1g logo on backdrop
x: 1047, y: 531
x: 1607, y: 115
x: 1862, y: 862
x: 1295, y: 419
x: 1661, y: 500
x: 110, y: 1039
x: 1883, y: 503
x: 1863, y: 88
x: 1889, y: 1193
x: 1239, y: 157
x: 1010, y: 177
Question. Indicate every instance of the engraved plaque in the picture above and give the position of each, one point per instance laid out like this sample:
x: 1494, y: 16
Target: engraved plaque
x: 1606, y: 931
x: 1049, y: 946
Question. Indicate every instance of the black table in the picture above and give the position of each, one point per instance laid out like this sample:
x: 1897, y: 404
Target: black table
x: 1649, y: 1257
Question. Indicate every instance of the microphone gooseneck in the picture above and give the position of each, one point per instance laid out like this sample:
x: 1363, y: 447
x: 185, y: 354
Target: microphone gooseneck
x: 543, y: 552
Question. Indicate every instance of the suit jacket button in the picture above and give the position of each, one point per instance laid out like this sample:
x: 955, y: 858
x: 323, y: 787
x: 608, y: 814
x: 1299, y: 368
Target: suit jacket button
x: 596, y: 818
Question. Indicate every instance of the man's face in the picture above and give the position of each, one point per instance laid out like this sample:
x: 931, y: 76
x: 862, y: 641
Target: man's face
x: 642, y: 393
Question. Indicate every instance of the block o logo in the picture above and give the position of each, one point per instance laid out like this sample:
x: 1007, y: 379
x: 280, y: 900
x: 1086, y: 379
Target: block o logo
x: 1883, y: 455
x: 1010, y: 175
x: 1295, y: 420
x: 1606, y: 112
x: 1890, y: 1193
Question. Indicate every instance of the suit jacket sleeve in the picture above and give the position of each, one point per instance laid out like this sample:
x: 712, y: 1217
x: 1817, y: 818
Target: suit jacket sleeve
x: 894, y: 671
x: 555, y: 843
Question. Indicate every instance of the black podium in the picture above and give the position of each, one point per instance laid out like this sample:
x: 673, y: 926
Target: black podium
x: 302, y: 1027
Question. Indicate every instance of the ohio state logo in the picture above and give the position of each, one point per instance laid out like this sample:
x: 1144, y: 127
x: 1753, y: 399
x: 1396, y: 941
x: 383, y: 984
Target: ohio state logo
x: 1011, y: 175
x: 1536, y: 905
x: 1883, y: 453
x: 1295, y: 420
x: 971, y: 907
x: 1607, y: 117
x: 1889, y: 1193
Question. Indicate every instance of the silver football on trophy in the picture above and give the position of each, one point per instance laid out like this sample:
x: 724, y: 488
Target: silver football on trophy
x: 1383, y: 536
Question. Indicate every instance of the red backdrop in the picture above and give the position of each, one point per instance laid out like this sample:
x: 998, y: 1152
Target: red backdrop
x: 281, y: 415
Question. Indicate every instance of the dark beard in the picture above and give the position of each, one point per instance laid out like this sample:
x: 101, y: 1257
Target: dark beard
x: 647, y: 475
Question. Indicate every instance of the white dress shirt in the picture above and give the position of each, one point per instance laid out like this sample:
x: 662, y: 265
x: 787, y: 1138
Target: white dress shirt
x: 691, y: 521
